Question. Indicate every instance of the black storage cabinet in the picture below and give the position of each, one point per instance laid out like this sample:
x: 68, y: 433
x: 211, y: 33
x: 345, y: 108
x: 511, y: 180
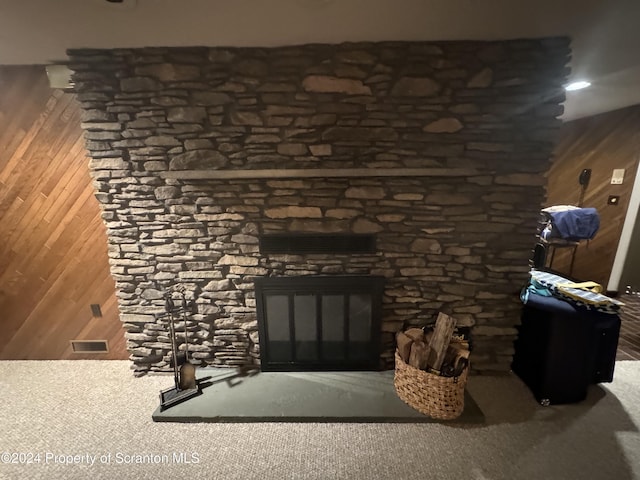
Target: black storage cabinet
x: 561, y: 349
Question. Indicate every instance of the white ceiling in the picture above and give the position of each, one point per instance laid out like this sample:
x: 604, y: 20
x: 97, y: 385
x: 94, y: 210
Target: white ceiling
x: 605, y: 33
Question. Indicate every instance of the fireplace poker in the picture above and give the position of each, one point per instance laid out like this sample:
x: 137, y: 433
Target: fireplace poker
x: 169, y: 307
x: 187, y: 369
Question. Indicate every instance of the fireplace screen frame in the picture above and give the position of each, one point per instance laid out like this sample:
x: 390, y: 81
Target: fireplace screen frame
x: 320, y: 286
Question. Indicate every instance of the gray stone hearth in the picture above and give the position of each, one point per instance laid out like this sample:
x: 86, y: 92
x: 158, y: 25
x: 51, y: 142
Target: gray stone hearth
x: 439, y: 149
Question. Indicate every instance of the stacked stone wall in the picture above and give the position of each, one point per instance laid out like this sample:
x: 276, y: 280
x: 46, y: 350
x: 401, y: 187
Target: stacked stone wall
x: 482, y: 116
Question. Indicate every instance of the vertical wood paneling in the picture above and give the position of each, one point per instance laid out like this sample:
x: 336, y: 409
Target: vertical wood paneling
x: 53, y: 246
x: 602, y: 143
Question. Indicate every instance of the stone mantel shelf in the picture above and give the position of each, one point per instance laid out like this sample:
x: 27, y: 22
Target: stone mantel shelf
x: 318, y: 173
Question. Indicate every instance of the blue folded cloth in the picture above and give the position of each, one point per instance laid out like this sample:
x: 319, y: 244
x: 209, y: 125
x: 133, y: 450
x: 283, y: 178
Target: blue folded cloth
x: 575, y: 224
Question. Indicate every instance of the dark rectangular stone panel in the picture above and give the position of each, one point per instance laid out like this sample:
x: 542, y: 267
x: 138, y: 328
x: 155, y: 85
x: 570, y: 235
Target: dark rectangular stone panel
x: 317, y: 243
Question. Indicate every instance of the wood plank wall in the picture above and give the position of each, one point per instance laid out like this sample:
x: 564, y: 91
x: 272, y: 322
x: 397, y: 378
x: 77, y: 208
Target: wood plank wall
x: 602, y: 143
x: 53, y: 246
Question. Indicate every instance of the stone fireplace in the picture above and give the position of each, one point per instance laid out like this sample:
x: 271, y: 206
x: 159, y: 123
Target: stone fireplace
x: 438, y: 150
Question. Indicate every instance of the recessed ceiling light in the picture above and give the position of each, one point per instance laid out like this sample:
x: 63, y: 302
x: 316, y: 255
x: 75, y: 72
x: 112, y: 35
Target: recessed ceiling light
x: 577, y: 85
x: 117, y: 4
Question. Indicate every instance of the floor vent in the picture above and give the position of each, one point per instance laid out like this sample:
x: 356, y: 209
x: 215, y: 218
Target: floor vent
x: 89, y: 346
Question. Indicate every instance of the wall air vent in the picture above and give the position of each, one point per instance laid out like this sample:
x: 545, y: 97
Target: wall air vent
x: 317, y: 243
x: 89, y: 346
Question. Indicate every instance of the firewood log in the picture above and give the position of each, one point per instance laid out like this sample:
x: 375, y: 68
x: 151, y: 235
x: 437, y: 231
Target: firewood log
x: 404, y: 346
x: 419, y: 355
x: 440, y: 340
x: 415, y: 334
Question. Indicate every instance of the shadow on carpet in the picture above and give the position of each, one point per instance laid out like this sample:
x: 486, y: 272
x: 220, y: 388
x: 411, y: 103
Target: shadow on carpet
x: 329, y: 397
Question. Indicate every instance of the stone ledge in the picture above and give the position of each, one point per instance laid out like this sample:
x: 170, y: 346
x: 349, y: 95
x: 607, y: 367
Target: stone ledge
x: 318, y: 173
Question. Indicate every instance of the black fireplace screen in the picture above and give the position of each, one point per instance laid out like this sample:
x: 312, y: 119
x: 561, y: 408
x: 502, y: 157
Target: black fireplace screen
x: 319, y: 322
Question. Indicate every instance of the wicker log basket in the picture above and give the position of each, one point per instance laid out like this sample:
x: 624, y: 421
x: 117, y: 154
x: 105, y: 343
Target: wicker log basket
x: 433, y: 395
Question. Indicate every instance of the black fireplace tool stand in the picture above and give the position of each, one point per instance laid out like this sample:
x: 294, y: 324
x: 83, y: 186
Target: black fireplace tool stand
x: 177, y: 394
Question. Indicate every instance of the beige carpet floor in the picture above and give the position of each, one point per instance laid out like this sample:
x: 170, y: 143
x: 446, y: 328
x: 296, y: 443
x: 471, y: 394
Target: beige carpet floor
x: 92, y: 420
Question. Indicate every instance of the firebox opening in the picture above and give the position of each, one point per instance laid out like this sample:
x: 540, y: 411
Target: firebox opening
x: 319, y: 322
